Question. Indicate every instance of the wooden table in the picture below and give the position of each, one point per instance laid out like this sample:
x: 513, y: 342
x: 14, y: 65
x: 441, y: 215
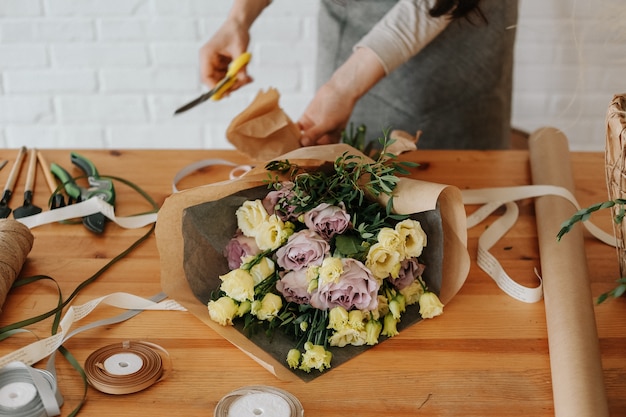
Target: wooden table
x: 487, y: 355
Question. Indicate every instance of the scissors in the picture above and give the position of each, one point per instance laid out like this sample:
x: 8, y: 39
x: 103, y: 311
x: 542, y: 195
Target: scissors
x: 223, y: 85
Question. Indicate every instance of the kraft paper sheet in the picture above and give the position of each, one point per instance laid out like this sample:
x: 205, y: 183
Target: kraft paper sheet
x: 178, y: 219
x: 577, y: 376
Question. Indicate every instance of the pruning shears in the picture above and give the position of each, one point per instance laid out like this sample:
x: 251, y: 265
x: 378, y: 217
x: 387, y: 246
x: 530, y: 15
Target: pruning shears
x: 98, y: 187
x: 223, y: 85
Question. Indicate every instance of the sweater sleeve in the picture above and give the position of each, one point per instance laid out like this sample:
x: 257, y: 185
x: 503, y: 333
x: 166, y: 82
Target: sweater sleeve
x: 403, y: 32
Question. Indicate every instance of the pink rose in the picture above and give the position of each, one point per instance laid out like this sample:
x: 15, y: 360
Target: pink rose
x: 276, y: 202
x: 410, y: 270
x: 293, y: 286
x: 303, y: 248
x: 327, y: 220
x: 238, y: 247
x: 356, y: 289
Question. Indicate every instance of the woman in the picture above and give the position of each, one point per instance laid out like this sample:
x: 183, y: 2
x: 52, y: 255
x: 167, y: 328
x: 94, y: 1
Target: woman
x: 443, y: 67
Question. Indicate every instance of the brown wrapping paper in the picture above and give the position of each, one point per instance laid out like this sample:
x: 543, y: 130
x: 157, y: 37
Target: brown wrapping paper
x: 263, y: 131
x: 615, y: 163
x: 175, y: 214
x: 577, y: 376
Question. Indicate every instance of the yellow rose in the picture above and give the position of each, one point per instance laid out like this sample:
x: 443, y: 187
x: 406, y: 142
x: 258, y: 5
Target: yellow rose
x: 430, y: 306
x: 372, y: 331
x: 250, y: 215
x: 413, y: 235
x: 383, y: 262
x: 412, y: 293
x: 315, y: 357
x: 272, y: 233
x: 293, y: 358
x: 270, y: 306
x: 348, y: 336
x: 331, y: 270
x: 238, y: 284
x: 263, y: 269
x: 223, y: 310
x: 337, y: 318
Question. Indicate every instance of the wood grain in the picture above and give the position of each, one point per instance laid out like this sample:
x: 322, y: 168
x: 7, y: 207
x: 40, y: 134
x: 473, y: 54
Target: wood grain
x: 487, y: 355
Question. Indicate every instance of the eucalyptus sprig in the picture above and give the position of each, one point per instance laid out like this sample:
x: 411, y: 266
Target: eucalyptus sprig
x: 584, y: 215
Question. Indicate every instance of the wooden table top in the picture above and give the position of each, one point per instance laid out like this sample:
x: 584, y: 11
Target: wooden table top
x: 487, y: 355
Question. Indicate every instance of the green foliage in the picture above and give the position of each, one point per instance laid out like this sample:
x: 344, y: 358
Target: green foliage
x: 584, y: 215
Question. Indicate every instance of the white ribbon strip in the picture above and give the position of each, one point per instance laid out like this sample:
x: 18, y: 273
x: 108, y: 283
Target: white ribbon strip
x: 492, y: 199
x: 86, y: 208
x: 40, y: 349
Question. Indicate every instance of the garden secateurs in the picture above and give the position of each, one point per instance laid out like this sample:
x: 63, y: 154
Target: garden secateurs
x: 98, y: 187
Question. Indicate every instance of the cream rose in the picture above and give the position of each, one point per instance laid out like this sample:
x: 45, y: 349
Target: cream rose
x: 223, y: 310
x: 238, y: 284
x: 250, y: 215
x: 413, y: 236
x: 391, y: 240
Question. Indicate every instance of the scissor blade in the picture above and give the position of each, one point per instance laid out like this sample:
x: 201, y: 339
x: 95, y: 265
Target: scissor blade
x: 204, y: 97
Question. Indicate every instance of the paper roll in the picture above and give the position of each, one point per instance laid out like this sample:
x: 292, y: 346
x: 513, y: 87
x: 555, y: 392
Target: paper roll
x: 577, y: 376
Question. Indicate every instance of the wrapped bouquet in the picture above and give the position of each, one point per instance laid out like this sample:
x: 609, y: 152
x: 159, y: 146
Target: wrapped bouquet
x: 315, y: 256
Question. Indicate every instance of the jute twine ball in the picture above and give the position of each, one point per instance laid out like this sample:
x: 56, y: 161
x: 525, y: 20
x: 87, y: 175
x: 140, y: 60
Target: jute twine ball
x: 16, y: 241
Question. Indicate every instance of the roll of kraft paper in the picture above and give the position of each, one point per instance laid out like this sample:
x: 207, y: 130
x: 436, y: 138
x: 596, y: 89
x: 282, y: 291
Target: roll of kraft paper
x: 16, y: 241
x: 576, y: 367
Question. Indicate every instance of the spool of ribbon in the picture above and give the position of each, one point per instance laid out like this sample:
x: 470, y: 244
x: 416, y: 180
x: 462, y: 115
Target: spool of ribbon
x: 259, y: 401
x: 28, y: 392
x: 16, y: 241
x: 125, y: 368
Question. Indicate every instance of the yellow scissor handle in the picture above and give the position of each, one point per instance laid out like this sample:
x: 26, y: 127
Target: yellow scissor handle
x: 234, y: 67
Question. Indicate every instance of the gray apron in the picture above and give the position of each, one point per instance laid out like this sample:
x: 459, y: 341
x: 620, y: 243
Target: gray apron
x: 457, y: 90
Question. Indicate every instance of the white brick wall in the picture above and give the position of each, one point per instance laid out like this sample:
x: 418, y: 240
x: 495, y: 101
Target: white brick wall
x: 109, y: 73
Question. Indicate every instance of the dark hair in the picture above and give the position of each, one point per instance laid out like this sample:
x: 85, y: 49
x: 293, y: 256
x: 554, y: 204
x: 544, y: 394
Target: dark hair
x: 456, y: 8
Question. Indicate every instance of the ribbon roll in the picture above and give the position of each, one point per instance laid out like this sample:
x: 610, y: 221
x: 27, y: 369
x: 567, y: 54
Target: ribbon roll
x: 28, y: 392
x: 125, y: 368
x: 259, y: 401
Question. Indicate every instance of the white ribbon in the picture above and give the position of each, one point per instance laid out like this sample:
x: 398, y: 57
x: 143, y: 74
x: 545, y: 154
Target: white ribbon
x: 85, y: 208
x: 492, y: 199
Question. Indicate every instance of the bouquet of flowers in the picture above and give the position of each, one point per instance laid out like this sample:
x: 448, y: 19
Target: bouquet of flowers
x: 318, y: 258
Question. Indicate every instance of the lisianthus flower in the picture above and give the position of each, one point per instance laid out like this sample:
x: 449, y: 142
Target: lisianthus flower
x: 239, y: 247
x: 355, y: 320
x: 303, y: 248
x: 413, y: 292
x: 430, y: 305
x: 268, y: 307
x: 294, y: 286
x: 410, y: 270
x: 276, y: 201
x: 391, y: 240
x: 238, y: 284
x: 327, y: 220
x: 293, y: 358
x: 337, y: 318
x: 272, y: 233
x: 262, y: 269
x: 383, y: 262
x: 413, y: 235
x: 355, y: 289
x: 223, y: 310
x: 315, y: 357
x: 348, y: 336
x: 250, y: 215
x: 331, y: 270
x: 390, y: 324
x: 372, y: 331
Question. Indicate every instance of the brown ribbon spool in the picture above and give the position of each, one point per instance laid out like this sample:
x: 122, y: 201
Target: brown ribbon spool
x: 126, y: 367
x: 16, y: 241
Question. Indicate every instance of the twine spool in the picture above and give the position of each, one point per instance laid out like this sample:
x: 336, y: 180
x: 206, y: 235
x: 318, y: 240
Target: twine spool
x: 125, y: 368
x: 615, y: 165
x: 16, y: 241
